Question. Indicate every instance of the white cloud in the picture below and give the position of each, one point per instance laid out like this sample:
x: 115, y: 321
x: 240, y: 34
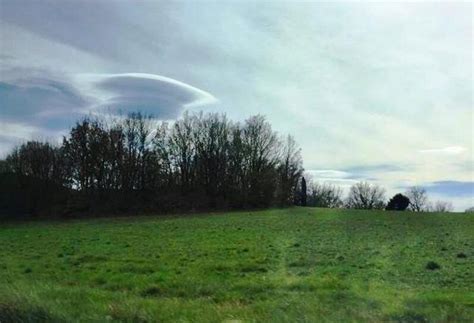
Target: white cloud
x: 161, y: 96
x: 451, y: 150
x: 328, y: 173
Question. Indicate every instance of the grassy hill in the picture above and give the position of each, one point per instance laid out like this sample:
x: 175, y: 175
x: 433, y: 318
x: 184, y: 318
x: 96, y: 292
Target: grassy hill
x: 298, y: 264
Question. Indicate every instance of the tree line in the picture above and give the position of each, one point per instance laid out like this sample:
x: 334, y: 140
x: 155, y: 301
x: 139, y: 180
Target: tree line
x: 199, y: 162
x: 363, y: 195
x: 136, y: 163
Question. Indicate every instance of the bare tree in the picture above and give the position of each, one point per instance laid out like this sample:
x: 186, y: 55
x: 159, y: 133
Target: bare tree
x: 38, y: 179
x: 37, y: 159
x: 183, y: 150
x: 363, y: 195
x: 290, y: 169
x: 237, y: 167
x: 418, y: 199
x: 260, y: 144
x: 162, y: 154
x: 137, y: 162
x: 212, y: 145
x: 442, y: 206
x: 324, y: 195
x: 86, y: 155
x: 137, y: 129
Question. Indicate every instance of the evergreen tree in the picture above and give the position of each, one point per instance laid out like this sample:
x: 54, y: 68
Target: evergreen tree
x: 303, y: 192
x: 399, y: 202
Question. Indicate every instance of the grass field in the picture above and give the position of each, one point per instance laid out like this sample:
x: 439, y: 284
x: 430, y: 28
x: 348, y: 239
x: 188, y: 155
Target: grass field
x: 298, y: 264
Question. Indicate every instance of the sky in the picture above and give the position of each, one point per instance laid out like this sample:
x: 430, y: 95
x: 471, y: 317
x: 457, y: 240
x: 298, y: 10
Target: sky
x: 373, y: 91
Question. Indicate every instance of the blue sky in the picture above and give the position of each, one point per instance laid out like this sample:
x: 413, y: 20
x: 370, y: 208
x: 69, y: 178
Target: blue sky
x: 378, y: 91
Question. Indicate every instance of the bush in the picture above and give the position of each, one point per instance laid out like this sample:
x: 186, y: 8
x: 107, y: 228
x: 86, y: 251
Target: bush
x: 398, y: 202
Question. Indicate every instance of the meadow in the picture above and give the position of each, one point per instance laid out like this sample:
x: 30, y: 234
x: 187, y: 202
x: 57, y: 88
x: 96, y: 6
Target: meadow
x: 296, y: 264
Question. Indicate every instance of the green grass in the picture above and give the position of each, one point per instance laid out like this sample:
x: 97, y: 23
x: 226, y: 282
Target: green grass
x: 298, y: 264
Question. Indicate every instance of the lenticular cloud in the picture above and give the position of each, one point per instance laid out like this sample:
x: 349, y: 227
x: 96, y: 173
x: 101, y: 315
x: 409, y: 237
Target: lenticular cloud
x: 163, y: 97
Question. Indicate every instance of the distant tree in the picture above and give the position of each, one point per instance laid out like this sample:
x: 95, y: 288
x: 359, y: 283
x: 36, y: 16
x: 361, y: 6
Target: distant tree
x: 86, y: 155
x: 398, y: 202
x: 212, y: 147
x: 324, y: 195
x: 363, y: 195
x: 303, y: 192
x: 138, y: 163
x: 442, y: 206
x: 236, y: 168
x: 261, y: 145
x: 183, y: 150
x: 418, y: 199
x: 139, y: 169
x: 162, y: 154
x: 290, y: 169
x: 37, y: 159
x: 470, y: 210
x: 35, y: 179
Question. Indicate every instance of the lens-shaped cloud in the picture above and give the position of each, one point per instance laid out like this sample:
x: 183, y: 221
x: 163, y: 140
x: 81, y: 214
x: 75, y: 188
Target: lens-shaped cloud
x: 157, y: 95
x: 51, y: 102
x: 48, y: 100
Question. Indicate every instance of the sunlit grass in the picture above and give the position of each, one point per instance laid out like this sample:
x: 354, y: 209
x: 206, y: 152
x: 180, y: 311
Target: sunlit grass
x: 277, y: 265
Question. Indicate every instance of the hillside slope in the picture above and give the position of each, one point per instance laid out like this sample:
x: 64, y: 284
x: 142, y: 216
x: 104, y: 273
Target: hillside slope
x: 277, y: 265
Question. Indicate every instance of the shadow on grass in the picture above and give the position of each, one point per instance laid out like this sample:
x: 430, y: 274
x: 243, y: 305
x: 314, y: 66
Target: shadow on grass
x: 13, y: 312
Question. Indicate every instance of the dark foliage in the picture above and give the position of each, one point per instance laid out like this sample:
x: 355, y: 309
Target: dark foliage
x: 398, y: 202
x: 22, y: 195
x: 303, y: 192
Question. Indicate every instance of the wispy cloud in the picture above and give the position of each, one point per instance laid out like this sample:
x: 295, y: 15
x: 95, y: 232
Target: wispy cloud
x: 328, y: 173
x: 330, y: 176
x: 370, y: 169
x: 451, y: 150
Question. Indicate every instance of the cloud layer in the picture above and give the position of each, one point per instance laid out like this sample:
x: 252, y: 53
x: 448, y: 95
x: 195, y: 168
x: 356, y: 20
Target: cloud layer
x: 380, y: 91
x: 38, y: 101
